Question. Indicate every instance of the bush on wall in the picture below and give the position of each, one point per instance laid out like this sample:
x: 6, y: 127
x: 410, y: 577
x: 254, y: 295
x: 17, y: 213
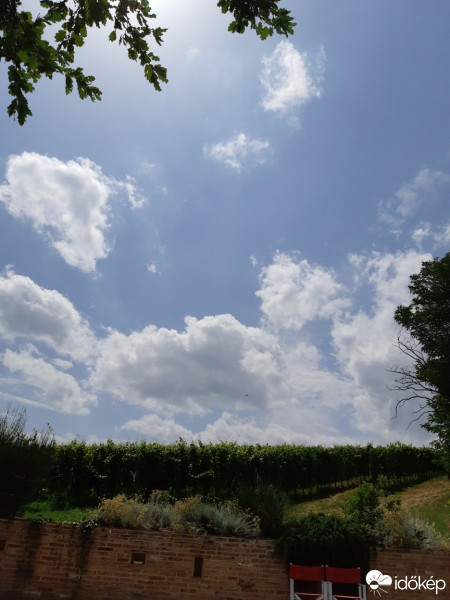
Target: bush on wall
x: 191, y: 515
x: 319, y: 539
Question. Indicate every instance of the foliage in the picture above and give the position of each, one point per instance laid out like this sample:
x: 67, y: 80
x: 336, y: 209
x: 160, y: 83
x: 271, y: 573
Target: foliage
x: 363, y: 505
x: 191, y: 515
x: 159, y: 512
x: 224, y: 518
x: 427, y: 320
x: 268, y: 503
x: 365, y: 508
x: 410, y: 531
x: 121, y: 511
x: 25, y: 45
x: 82, y: 473
x: 317, y: 539
x: 43, y: 509
x: 262, y: 15
x: 24, y: 461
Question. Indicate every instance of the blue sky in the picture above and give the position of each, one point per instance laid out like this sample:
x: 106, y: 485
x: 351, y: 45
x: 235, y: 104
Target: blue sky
x: 222, y: 260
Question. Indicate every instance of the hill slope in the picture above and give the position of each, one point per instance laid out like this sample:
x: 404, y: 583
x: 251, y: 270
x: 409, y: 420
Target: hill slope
x: 429, y: 500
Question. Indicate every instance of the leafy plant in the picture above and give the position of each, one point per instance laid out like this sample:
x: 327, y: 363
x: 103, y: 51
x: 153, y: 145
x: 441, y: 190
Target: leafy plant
x: 411, y: 531
x: 224, y: 518
x: 363, y: 506
x: 427, y: 347
x: 368, y: 507
x: 26, y: 40
x: 324, y: 539
x: 159, y: 512
x: 191, y: 515
x: 82, y: 473
x: 268, y: 503
x: 24, y: 461
x: 229, y: 520
x: 121, y: 511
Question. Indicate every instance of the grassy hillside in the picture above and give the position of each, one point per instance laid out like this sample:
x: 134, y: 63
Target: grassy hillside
x: 428, y: 500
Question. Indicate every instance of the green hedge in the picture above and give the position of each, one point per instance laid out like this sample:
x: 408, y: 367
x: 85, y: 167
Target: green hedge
x: 81, y: 473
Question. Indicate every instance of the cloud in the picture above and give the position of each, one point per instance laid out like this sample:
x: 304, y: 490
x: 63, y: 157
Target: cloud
x: 135, y: 198
x: 290, y: 79
x: 293, y: 292
x: 31, y: 313
x: 67, y: 202
x: 440, y: 235
x: 42, y: 384
x: 364, y: 341
x: 405, y: 203
x: 239, y: 151
x: 152, y: 268
x: 215, y: 362
x: 229, y: 427
x: 155, y: 428
x: 274, y: 382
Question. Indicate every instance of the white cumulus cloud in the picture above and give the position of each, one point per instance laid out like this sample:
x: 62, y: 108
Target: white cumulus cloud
x: 67, y: 202
x: 32, y: 313
x: 215, y: 361
x: 162, y: 430
x: 275, y: 382
x: 293, y: 292
x: 271, y: 382
x: 42, y: 384
x: 290, y: 78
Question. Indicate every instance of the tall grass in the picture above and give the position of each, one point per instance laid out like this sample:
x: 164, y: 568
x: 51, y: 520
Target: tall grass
x: 191, y: 515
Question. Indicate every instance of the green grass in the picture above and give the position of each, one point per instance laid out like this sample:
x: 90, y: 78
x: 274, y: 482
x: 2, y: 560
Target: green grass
x: 430, y: 500
x: 44, y: 510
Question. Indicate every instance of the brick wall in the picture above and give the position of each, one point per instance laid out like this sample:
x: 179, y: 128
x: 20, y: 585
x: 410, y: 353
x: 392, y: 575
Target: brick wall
x: 427, y: 564
x: 52, y: 562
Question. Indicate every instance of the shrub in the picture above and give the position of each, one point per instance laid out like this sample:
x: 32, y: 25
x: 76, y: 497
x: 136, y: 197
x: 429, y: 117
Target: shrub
x: 363, y: 506
x: 191, y: 515
x: 225, y: 518
x: 24, y: 461
x: 268, y: 503
x: 159, y: 513
x: 229, y: 520
x: 324, y: 539
x: 365, y: 509
x: 410, y: 531
x: 121, y: 511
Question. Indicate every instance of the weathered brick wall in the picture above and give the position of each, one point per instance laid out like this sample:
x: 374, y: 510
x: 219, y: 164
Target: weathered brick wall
x: 52, y: 562
x: 55, y: 561
x: 427, y: 565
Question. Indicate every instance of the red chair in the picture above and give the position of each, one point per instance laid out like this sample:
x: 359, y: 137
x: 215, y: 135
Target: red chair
x: 342, y: 582
x: 307, y: 582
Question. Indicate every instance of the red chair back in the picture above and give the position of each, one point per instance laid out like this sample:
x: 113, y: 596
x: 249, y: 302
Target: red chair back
x: 341, y: 575
x: 304, y: 573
